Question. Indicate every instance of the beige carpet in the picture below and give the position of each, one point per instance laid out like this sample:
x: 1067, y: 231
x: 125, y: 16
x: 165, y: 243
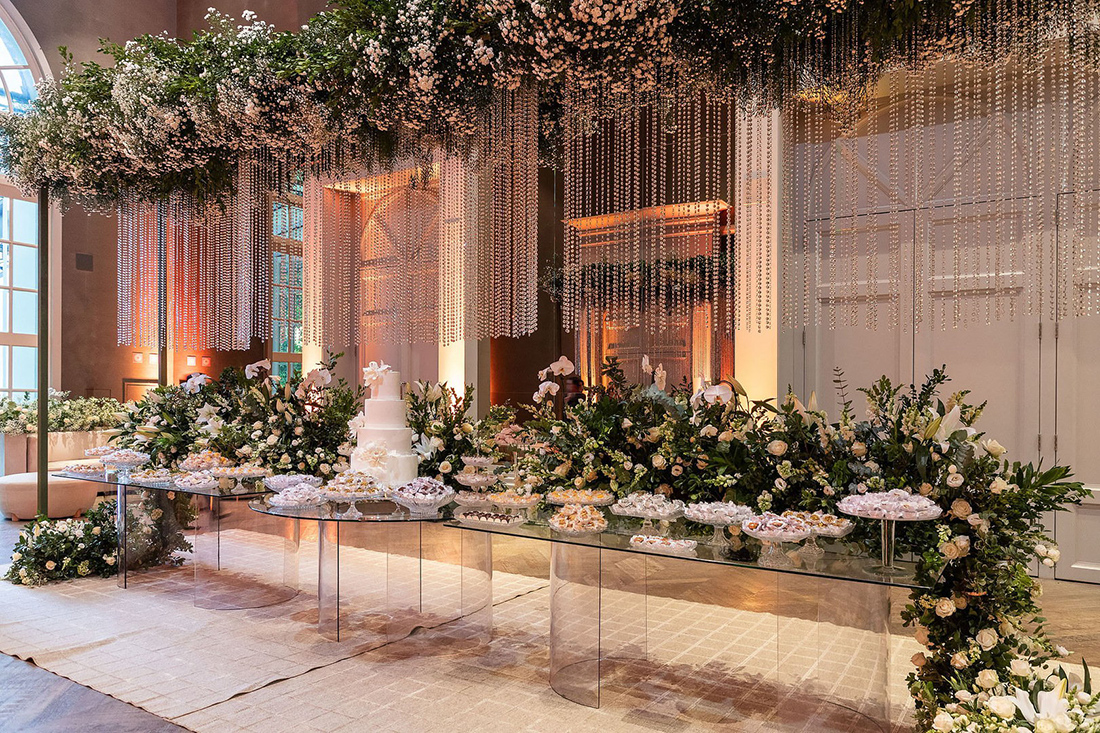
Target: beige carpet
x: 703, y: 667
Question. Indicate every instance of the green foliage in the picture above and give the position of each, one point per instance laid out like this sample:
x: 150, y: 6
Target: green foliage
x: 65, y: 414
x: 48, y: 550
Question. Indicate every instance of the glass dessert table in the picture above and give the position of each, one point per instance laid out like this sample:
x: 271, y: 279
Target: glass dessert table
x: 818, y: 626
x: 383, y: 572
x: 240, y: 560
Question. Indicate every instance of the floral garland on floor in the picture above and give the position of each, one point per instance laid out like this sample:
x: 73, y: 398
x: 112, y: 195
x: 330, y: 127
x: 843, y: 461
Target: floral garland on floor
x: 171, y: 115
x: 49, y: 550
x: 980, y: 623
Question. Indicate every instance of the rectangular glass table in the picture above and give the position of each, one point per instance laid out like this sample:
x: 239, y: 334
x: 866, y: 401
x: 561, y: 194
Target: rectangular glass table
x: 817, y: 629
x: 383, y: 573
x: 240, y: 559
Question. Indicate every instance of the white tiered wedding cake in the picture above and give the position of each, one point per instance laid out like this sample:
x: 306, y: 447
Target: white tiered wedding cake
x: 383, y: 438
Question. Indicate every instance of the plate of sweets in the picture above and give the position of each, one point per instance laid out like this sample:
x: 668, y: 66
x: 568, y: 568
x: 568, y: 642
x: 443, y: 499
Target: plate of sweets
x: 243, y: 472
x: 196, y: 481
x: 775, y: 528
x: 823, y: 524
x: 481, y: 518
x: 302, y: 495
x: 476, y: 499
x: 423, y: 496
x: 353, y: 491
x: 100, y: 450
x: 514, y: 499
x: 204, y: 461
x: 663, y: 544
x: 479, y: 461
x: 286, y: 480
x: 897, y: 505
x: 125, y: 458
x: 477, y: 480
x: 648, y: 506
x: 155, y: 477
x: 84, y: 470
x: 718, y: 513
x: 578, y: 519
x: 591, y: 497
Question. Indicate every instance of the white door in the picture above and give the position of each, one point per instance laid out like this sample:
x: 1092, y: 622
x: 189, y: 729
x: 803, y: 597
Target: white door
x: 1077, y: 420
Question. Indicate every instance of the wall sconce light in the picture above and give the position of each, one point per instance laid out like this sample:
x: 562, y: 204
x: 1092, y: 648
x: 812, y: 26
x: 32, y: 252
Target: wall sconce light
x: 206, y: 361
x: 154, y: 358
x: 139, y: 357
x: 191, y: 361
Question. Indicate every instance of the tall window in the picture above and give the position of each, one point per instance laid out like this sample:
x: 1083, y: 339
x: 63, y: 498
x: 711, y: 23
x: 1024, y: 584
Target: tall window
x: 287, y: 221
x: 18, y: 239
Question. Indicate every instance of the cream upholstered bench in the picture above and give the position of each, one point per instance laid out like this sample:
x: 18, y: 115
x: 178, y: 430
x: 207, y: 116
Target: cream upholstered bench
x: 68, y: 496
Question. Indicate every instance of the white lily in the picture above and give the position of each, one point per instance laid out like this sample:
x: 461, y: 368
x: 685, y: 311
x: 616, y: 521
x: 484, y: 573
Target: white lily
x: 253, y: 370
x: 207, y: 413
x: 947, y: 425
x: 646, y: 366
x: 424, y: 447
x: 195, y: 383
x: 1051, y: 704
x: 660, y: 377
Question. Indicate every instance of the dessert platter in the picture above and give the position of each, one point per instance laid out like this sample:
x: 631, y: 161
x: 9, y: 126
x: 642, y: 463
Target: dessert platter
x: 423, y: 497
x: 475, y: 499
x: 302, y: 495
x: 234, y: 478
x: 204, y: 461
x: 720, y: 515
x: 511, y: 499
x: 154, y: 477
x: 773, y: 530
x: 196, y: 481
x: 99, y: 451
x: 124, y: 461
x: 480, y: 517
x: 592, y: 497
x: 664, y: 544
x: 351, y: 491
x: 821, y: 524
x: 648, y: 506
x: 382, y: 436
x: 286, y: 480
x: 578, y: 519
x: 889, y: 507
x: 897, y: 505
x: 84, y: 470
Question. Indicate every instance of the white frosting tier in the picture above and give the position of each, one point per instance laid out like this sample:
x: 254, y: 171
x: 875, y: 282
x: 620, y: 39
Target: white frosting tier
x: 389, y: 389
x: 385, y: 413
x: 394, y: 439
x: 399, y: 469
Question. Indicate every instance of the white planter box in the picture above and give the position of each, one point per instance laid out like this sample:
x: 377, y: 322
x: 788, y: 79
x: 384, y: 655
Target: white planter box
x: 20, y: 452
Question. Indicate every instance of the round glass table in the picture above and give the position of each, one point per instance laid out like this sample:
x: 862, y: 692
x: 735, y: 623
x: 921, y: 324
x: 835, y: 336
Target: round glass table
x: 381, y: 573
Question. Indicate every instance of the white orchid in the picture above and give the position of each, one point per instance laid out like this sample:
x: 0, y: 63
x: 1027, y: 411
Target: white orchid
x: 646, y: 366
x: 254, y: 369
x: 358, y: 422
x: 317, y: 378
x: 720, y: 393
x: 546, y: 388
x: 562, y: 367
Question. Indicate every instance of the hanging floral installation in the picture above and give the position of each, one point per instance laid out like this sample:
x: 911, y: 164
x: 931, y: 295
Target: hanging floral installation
x: 622, y: 89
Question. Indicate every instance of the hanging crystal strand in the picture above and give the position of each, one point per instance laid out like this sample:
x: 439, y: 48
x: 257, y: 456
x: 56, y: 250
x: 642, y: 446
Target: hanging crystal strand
x: 898, y: 98
x: 958, y: 113
x: 1077, y: 75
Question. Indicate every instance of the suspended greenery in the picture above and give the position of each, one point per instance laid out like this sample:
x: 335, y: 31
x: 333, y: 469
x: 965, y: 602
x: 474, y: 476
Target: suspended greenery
x: 164, y: 115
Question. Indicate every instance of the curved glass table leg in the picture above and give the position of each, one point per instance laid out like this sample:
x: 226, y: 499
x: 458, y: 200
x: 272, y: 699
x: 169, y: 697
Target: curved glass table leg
x: 404, y: 579
x: 575, y: 591
x: 242, y: 559
x: 123, y: 529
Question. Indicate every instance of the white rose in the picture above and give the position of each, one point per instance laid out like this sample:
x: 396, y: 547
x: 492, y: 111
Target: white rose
x: 987, y: 679
x: 859, y: 449
x: 987, y: 639
x: 677, y: 470
x: 627, y: 424
x: 1002, y: 706
x: 943, y: 723
x: 998, y: 485
x: 919, y: 660
x: 445, y: 467
x: 994, y: 448
x: 726, y: 436
x: 659, y: 461
x: 955, y: 480
x: 945, y: 607
x: 950, y: 550
x: 1054, y: 554
x: 777, y: 447
x: 964, y: 696
x: 959, y: 660
x: 1019, y: 668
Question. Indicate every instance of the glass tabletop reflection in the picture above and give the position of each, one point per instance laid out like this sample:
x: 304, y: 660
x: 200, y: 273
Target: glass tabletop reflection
x: 226, y: 488
x: 368, y: 511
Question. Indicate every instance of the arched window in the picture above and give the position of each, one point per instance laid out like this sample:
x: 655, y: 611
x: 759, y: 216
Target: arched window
x: 21, y: 64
